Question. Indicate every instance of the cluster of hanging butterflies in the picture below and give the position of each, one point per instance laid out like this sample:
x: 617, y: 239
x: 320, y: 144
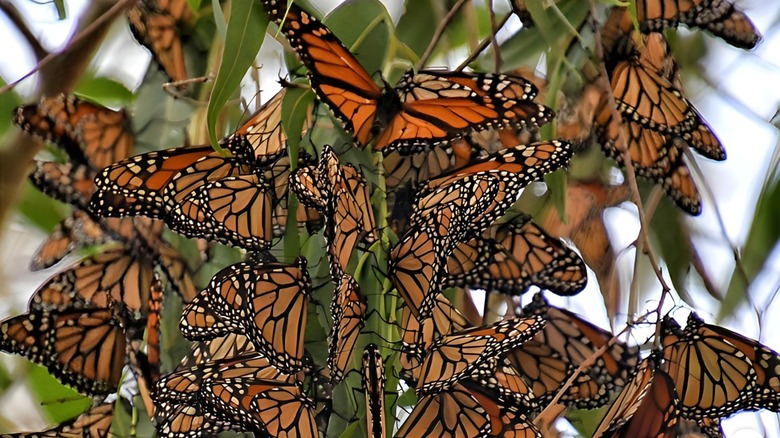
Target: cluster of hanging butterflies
x: 701, y: 374
x: 653, y: 120
x: 87, y: 321
x: 454, y: 165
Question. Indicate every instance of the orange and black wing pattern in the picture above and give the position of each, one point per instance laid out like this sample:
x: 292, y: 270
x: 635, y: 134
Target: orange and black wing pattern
x: 512, y: 256
x: 91, y: 134
x: 135, y: 186
x: 719, y: 17
x: 460, y: 355
x: 348, y: 310
x: 244, y: 392
x: 567, y: 340
x: 646, y: 408
x: 374, y: 387
x: 84, y: 348
x: 156, y: 24
x: 744, y: 377
x: 423, y: 110
x: 267, y: 302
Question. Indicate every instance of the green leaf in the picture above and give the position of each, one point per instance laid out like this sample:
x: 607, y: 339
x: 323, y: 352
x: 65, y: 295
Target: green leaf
x: 8, y: 102
x: 557, y: 182
x: 244, y: 37
x: 764, y: 234
x: 62, y: 11
x: 104, y: 91
x: 526, y: 46
x: 295, y: 107
x: 675, y: 245
x: 59, y: 403
x: 122, y: 423
x: 417, y: 25
x: 219, y: 19
x: 43, y: 211
x: 6, y: 379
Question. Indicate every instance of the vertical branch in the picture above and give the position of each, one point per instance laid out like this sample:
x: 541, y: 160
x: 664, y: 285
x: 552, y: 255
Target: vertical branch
x: 440, y: 31
x: 622, y: 147
x: 59, y: 73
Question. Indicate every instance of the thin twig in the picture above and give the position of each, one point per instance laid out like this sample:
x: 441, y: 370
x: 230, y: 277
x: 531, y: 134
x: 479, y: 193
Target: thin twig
x: 482, y: 45
x: 621, y: 146
x: 21, y: 25
x: 590, y: 360
x: 440, y: 31
x: 81, y: 36
x: 493, y: 29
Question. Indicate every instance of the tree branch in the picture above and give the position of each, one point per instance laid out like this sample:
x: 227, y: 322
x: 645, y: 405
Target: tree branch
x: 59, y: 73
x: 16, y: 18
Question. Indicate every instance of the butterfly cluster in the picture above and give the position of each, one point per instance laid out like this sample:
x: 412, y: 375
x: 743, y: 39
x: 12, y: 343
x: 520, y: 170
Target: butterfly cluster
x: 455, y: 150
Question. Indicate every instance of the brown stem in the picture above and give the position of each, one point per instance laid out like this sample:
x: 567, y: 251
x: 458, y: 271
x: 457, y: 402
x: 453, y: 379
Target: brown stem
x: 21, y: 25
x: 482, y: 44
x: 622, y: 147
x: 440, y: 31
x: 59, y: 73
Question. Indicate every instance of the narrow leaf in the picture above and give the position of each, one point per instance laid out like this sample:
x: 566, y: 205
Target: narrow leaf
x: 244, y: 37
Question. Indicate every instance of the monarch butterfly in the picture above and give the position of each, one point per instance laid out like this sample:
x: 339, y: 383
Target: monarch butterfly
x: 153, y: 328
x: 66, y: 182
x: 181, y: 419
x: 84, y: 348
x: 549, y: 359
x: 706, y: 391
x: 687, y: 353
x: 452, y: 413
x: 94, y: 423
x: 348, y: 310
x: 235, y: 210
x: 266, y: 302
x: 424, y: 109
x: 655, y: 155
x: 224, y: 347
x: 340, y: 193
x: 721, y: 18
x: 651, y: 53
x: 76, y: 231
x: 156, y: 25
x: 464, y: 411
x: 416, y: 168
x: 240, y: 392
x: 374, y: 388
x: 505, y: 419
x: 263, y: 132
x: 647, y: 407
x: 353, y: 218
x: 417, y: 262
x: 184, y: 420
x: 487, y: 187
x: 419, y: 335
x: 116, y: 276
x: 176, y: 270
x: 472, y: 352
x: 91, y: 134
x: 135, y: 186
x: 511, y: 256
x: 278, y: 176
